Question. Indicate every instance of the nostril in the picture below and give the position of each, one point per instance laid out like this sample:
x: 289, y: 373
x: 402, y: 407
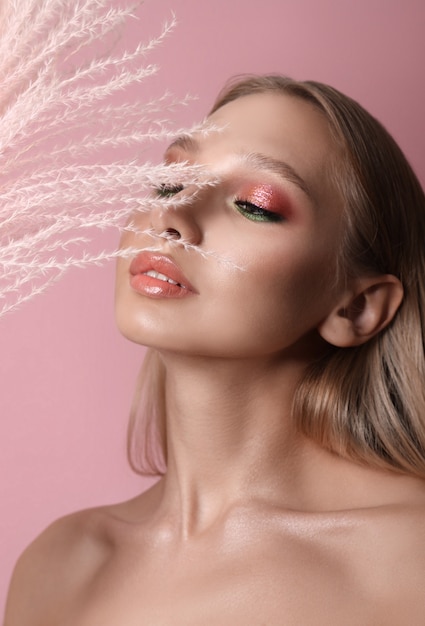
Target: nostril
x: 171, y: 233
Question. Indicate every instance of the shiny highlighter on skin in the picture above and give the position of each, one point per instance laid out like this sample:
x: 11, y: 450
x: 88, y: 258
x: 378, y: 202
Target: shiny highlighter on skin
x: 263, y: 203
x: 157, y: 275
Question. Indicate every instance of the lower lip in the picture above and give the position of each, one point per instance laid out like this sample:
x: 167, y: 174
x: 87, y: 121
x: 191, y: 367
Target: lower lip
x: 155, y: 288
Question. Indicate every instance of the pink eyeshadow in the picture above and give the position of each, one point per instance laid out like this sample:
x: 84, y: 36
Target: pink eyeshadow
x: 267, y: 197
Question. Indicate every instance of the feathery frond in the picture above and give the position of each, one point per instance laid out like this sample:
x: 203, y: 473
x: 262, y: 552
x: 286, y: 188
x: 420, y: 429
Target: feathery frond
x: 60, y: 121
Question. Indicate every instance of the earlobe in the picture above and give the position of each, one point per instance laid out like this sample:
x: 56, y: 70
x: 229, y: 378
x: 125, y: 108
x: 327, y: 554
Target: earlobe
x: 367, y: 307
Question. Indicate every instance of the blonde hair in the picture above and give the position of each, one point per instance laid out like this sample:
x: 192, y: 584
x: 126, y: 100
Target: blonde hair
x: 366, y: 403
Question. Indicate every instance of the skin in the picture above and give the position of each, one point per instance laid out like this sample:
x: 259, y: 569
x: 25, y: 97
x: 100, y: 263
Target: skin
x: 253, y: 523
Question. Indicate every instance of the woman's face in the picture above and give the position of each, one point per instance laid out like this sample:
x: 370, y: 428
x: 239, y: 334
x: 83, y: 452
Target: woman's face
x: 270, y: 228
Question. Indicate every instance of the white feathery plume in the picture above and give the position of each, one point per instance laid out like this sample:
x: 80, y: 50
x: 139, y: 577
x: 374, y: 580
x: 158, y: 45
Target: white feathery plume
x: 58, y: 114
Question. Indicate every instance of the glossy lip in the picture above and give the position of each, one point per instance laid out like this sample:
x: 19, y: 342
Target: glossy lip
x: 154, y: 287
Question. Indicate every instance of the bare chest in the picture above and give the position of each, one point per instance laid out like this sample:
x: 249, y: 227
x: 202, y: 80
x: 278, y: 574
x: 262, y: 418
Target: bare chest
x: 276, y: 582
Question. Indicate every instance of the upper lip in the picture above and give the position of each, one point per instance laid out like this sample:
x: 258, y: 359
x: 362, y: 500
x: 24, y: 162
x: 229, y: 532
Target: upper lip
x: 162, y: 263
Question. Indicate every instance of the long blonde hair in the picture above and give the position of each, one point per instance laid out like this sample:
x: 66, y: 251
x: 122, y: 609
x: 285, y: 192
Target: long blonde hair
x: 366, y: 403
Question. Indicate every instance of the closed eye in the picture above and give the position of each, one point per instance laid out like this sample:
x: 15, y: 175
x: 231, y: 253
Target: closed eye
x: 167, y: 191
x: 256, y: 213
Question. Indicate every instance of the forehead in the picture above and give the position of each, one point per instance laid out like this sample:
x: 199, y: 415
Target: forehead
x: 282, y: 123
x: 279, y: 126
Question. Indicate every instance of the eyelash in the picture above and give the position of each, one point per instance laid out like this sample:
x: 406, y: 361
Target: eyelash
x: 256, y: 213
x: 249, y: 210
x: 167, y: 191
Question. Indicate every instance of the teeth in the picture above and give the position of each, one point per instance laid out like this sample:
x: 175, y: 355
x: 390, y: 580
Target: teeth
x: 160, y: 276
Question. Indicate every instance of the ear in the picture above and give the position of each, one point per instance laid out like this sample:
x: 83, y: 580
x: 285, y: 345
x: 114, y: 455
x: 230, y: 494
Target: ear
x: 365, y: 308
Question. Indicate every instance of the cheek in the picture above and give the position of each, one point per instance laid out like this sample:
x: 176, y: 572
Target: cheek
x: 277, y: 300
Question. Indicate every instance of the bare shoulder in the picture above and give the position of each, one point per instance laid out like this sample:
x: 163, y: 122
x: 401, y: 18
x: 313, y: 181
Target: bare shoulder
x: 401, y: 528
x: 389, y: 558
x: 54, y: 569
x: 403, y: 532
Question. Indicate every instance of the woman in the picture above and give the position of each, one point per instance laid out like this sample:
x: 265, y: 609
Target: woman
x: 283, y: 308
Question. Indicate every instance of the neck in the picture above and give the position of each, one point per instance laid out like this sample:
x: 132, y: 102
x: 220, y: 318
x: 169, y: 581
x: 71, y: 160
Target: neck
x: 232, y: 443
x: 229, y: 431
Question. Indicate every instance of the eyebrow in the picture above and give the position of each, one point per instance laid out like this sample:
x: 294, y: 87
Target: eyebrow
x: 257, y: 160
x: 281, y: 168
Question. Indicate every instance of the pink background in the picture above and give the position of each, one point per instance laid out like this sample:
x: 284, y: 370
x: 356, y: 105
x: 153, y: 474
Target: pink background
x: 67, y: 376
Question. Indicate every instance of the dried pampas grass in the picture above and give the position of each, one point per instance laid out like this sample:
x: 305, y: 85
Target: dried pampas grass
x: 60, y: 114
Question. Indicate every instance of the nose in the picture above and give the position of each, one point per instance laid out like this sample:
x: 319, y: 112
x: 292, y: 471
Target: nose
x: 176, y: 222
